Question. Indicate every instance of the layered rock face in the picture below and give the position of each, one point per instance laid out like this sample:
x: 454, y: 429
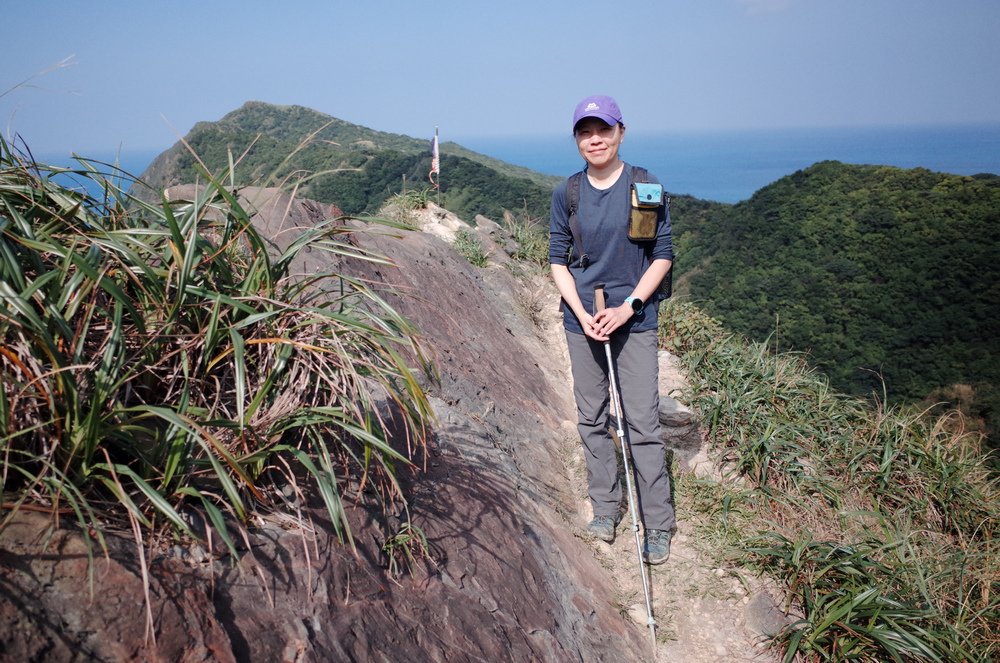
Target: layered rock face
x: 508, y: 577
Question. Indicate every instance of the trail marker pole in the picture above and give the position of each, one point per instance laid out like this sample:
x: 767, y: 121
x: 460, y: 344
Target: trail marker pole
x: 619, y: 435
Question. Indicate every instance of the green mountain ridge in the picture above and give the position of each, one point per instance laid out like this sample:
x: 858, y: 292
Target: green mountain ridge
x: 886, y: 276
x: 351, y: 166
x: 162, y: 370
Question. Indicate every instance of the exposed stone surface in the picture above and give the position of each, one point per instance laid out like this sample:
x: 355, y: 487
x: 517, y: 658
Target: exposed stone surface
x: 680, y: 424
x: 500, y: 497
x: 53, y: 609
x: 764, y: 617
x: 507, y: 579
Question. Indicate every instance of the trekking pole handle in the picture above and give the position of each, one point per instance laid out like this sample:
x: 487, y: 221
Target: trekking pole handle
x: 598, y: 297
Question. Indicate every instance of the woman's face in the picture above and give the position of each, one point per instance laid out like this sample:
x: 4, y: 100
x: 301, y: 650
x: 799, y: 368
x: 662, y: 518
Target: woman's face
x: 598, y: 141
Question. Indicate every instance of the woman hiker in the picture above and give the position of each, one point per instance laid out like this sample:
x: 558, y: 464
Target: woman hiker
x: 631, y: 272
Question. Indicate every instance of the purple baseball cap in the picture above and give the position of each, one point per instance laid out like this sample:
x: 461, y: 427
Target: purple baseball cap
x: 599, y: 106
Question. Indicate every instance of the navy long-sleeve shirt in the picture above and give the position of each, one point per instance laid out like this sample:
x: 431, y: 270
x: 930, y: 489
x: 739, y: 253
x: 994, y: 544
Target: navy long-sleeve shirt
x: 614, y: 259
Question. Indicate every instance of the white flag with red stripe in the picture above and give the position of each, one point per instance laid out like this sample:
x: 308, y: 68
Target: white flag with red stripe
x: 435, y: 161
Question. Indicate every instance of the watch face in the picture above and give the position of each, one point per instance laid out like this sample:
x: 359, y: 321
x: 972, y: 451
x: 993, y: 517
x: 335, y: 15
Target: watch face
x: 636, y: 304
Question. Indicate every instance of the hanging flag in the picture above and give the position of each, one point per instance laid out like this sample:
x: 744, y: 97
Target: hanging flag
x: 435, y: 160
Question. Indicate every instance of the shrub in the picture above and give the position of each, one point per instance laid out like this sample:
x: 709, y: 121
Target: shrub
x: 880, y: 522
x: 469, y: 246
x: 161, y: 355
x: 530, y: 236
x: 400, y: 207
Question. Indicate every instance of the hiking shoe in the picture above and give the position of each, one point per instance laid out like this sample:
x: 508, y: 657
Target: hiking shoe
x: 656, y: 550
x: 603, y: 528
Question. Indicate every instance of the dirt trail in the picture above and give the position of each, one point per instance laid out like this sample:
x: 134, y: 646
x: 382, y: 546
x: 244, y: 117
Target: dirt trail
x: 703, y: 613
x: 500, y: 501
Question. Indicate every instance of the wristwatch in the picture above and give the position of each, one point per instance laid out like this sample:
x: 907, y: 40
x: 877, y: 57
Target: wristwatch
x: 636, y: 304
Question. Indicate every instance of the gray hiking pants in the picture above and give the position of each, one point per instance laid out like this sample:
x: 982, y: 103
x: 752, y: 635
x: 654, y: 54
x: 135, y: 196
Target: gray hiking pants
x: 636, y: 370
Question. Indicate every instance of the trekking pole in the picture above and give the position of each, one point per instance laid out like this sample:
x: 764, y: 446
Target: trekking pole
x: 619, y: 435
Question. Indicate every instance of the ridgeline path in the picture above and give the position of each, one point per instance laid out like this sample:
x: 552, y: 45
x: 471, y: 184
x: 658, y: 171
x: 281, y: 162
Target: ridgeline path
x: 704, y: 613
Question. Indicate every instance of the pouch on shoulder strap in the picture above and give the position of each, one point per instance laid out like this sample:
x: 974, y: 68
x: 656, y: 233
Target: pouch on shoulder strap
x: 647, y: 199
x: 648, y: 194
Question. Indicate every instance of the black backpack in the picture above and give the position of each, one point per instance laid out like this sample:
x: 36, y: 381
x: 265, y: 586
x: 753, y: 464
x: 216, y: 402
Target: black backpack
x: 637, y: 174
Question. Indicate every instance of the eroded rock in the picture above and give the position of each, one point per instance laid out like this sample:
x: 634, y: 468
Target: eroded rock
x: 507, y: 578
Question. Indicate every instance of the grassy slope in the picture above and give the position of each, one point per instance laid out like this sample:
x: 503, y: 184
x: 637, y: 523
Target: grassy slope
x: 878, y: 522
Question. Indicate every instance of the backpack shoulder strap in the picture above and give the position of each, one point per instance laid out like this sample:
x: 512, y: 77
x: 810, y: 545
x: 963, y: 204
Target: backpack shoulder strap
x: 638, y: 174
x: 665, y: 289
x: 572, y: 205
x: 634, y: 174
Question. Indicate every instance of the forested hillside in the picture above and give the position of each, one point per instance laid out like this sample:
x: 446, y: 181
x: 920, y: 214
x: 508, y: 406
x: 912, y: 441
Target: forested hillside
x: 886, y: 277
x: 879, y: 273
x: 351, y: 166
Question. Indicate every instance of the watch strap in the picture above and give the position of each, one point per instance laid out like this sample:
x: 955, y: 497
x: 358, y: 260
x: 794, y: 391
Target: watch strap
x: 635, y: 303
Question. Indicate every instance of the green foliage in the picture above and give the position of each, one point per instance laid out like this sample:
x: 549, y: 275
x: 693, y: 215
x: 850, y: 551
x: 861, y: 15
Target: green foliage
x: 413, y: 199
x: 404, y: 549
x: 365, y: 188
x: 401, y: 207
x: 886, y: 277
x: 531, y: 238
x: 353, y: 167
x: 851, y: 603
x: 691, y: 221
x: 880, y: 522
x: 469, y: 247
x: 161, y: 356
x: 471, y: 188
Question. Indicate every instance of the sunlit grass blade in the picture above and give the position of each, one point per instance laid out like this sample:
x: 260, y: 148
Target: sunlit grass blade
x: 873, y: 519
x: 160, y: 355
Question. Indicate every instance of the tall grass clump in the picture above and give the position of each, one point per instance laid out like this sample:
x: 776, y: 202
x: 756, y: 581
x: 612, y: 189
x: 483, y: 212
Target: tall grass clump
x: 160, y: 358
x: 880, y: 523
x: 467, y: 245
x: 530, y: 236
x: 401, y: 207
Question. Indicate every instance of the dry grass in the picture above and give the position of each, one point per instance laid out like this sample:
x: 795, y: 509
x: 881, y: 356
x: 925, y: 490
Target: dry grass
x: 162, y: 357
x: 879, y: 522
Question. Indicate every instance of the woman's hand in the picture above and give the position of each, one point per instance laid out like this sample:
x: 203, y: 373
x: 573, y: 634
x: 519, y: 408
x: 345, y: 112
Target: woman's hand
x: 601, y: 326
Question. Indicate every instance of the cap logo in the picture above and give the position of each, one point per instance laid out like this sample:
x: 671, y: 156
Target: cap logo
x: 592, y: 106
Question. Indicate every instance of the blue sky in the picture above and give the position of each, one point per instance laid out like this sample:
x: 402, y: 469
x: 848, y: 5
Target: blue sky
x: 140, y: 74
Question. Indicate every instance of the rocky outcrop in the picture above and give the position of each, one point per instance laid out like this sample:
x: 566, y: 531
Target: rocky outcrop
x: 507, y: 577
x: 680, y: 424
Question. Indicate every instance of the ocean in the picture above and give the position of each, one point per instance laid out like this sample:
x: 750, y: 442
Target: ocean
x: 727, y: 166
x: 132, y: 162
x: 730, y: 166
